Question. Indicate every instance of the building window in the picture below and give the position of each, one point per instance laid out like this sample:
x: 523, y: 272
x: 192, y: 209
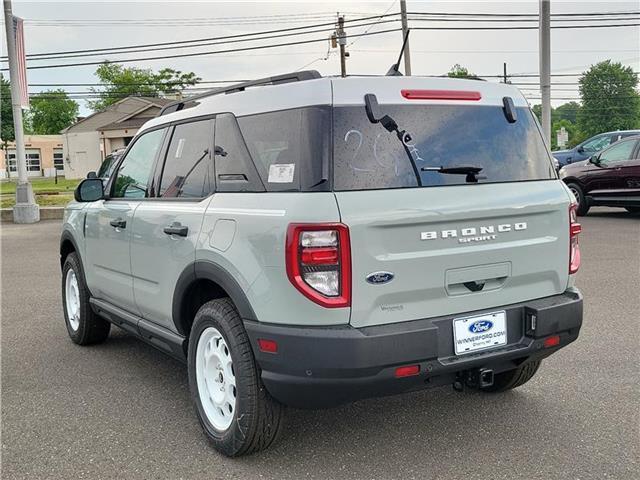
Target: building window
x: 33, y: 161
x: 11, y: 161
x: 58, y: 159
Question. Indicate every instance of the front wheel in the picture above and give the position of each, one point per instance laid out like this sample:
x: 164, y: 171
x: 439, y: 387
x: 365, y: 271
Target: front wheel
x: 235, y: 411
x: 513, y: 378
x: 83, y: 325
x: 583, y: 206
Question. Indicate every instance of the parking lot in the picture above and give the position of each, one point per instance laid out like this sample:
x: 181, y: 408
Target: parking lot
x: 122, y: 409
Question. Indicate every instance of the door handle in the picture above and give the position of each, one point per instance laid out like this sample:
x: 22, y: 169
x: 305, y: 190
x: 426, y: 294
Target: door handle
x: 118, y: 223
x: 176, y: 228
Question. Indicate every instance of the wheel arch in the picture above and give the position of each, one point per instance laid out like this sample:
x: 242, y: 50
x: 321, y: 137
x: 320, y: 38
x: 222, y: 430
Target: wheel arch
x: 199, y: 283
x: 68, y: 245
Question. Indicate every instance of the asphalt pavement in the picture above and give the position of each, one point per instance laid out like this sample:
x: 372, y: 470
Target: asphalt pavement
x: 122, y: 409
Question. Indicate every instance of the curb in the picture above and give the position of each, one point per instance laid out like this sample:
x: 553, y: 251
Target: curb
x: 46, y: 213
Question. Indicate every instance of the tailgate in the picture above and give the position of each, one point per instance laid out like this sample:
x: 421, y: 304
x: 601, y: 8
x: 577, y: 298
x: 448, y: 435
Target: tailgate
x: 454, y: 249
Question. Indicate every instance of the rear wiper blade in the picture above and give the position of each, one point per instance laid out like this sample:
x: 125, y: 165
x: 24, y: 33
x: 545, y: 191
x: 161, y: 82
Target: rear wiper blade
x: 471, y: 171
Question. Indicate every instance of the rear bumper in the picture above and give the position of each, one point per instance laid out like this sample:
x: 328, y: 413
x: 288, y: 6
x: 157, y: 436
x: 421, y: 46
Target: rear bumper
x: 318, y: 367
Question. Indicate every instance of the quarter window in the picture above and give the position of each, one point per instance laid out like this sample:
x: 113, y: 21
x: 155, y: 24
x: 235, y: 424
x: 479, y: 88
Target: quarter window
x: 133, y: 174
x: 188, y: 168
x: 235, y: 171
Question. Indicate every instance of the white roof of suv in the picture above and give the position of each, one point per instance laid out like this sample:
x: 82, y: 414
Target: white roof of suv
x: 346, y: 91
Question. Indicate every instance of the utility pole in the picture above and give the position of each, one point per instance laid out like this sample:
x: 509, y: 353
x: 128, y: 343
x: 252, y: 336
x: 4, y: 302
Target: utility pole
x: 545, y: 67
x: 405, y: 28
x: 26, y: 210
x: 342, y: 41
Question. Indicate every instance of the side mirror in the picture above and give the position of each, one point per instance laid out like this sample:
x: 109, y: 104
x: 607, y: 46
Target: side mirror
x: 89, y: 190
x: 580, y: 150
x: 595, y: 159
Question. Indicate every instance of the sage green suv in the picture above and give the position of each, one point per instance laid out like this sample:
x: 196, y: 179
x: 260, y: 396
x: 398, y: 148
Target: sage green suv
x: 311, y: 241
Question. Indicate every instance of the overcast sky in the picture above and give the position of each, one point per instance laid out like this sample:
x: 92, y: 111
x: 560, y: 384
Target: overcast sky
x: 432, y: 52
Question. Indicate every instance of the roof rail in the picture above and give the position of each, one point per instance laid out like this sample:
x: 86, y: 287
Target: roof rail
x: 239, y: 87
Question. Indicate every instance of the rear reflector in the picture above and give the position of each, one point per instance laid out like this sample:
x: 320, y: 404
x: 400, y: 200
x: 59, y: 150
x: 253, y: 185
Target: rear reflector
x: 268, y: 346
x: 441, y: 95
x: 552, y: 341
x: 574, y: 247
x: 407, y: 371
x: 320, y: 256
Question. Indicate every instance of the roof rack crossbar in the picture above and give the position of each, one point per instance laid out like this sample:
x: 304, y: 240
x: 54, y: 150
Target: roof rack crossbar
x: 239, y: 87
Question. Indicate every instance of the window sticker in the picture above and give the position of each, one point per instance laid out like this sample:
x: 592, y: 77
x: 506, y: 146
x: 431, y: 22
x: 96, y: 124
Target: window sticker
x: 180, y: 148
x: 281, y: 172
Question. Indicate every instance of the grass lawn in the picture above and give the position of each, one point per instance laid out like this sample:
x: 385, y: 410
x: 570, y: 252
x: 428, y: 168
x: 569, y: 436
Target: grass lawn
x: 8, y: 201
x: 42, y: 185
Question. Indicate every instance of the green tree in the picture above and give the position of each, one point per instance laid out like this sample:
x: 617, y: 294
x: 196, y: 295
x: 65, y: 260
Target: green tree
x: 51, y: 111
x: 7, y: 132
x: 566, y: 111
x: 458, y: 71
x: 121, y: 82
x: 610, y: 100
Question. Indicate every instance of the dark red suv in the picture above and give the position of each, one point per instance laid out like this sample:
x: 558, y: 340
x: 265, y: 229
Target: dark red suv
x: 610, y: 178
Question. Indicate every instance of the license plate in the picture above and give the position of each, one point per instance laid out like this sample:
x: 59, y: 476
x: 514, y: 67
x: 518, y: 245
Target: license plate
x: 480, y: 332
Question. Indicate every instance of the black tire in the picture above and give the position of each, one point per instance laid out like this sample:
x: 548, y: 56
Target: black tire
x: 513, y: 378
x: 257, y: 419
x: 632, y: 209
x: 91, y: 328
x: 583, y: 206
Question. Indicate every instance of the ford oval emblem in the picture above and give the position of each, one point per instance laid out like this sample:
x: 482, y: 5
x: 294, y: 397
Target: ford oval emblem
x: 481, y: 326
x: 378, y: 278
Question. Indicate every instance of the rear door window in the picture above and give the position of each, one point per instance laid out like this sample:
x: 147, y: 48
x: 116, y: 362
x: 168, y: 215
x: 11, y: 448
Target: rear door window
x: 188, y: 167
x: 367, y: 156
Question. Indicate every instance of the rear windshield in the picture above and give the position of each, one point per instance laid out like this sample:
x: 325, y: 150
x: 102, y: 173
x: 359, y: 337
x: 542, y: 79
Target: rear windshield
x: 367, y: 156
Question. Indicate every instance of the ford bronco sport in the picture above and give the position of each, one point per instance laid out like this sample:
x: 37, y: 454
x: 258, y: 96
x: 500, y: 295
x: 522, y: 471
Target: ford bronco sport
x: 311, y: 241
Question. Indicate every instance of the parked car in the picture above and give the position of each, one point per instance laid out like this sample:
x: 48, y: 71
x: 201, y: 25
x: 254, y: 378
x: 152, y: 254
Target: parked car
x: 610, y: 178
x: 109, y: 164
x: 311, y: 241
x: 591, y: 146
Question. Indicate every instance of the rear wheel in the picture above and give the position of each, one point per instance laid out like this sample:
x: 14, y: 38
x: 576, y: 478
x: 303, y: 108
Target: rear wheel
x: 235, y: 411
x: 633, y: 209
x: 513, y: 378
x: 83, y: 325
x: 583, y: 207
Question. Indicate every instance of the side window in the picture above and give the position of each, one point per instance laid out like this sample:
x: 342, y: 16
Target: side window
x: 290, y: 147
x: 597, y: 143
x: 134, y: 171
x: 188, y: 167
x: 619, y: 153
x: 235, y: 171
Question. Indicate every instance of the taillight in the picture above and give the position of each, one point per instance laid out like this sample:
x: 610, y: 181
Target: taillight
x: 318, y: 257
x: 574, y: 230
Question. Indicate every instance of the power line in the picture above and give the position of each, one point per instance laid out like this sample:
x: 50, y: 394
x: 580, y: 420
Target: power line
x: 207, y: 44
x: 197, y: 54
x: 572, y: 14
x: 198, y: 40
x: 528, y: 27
